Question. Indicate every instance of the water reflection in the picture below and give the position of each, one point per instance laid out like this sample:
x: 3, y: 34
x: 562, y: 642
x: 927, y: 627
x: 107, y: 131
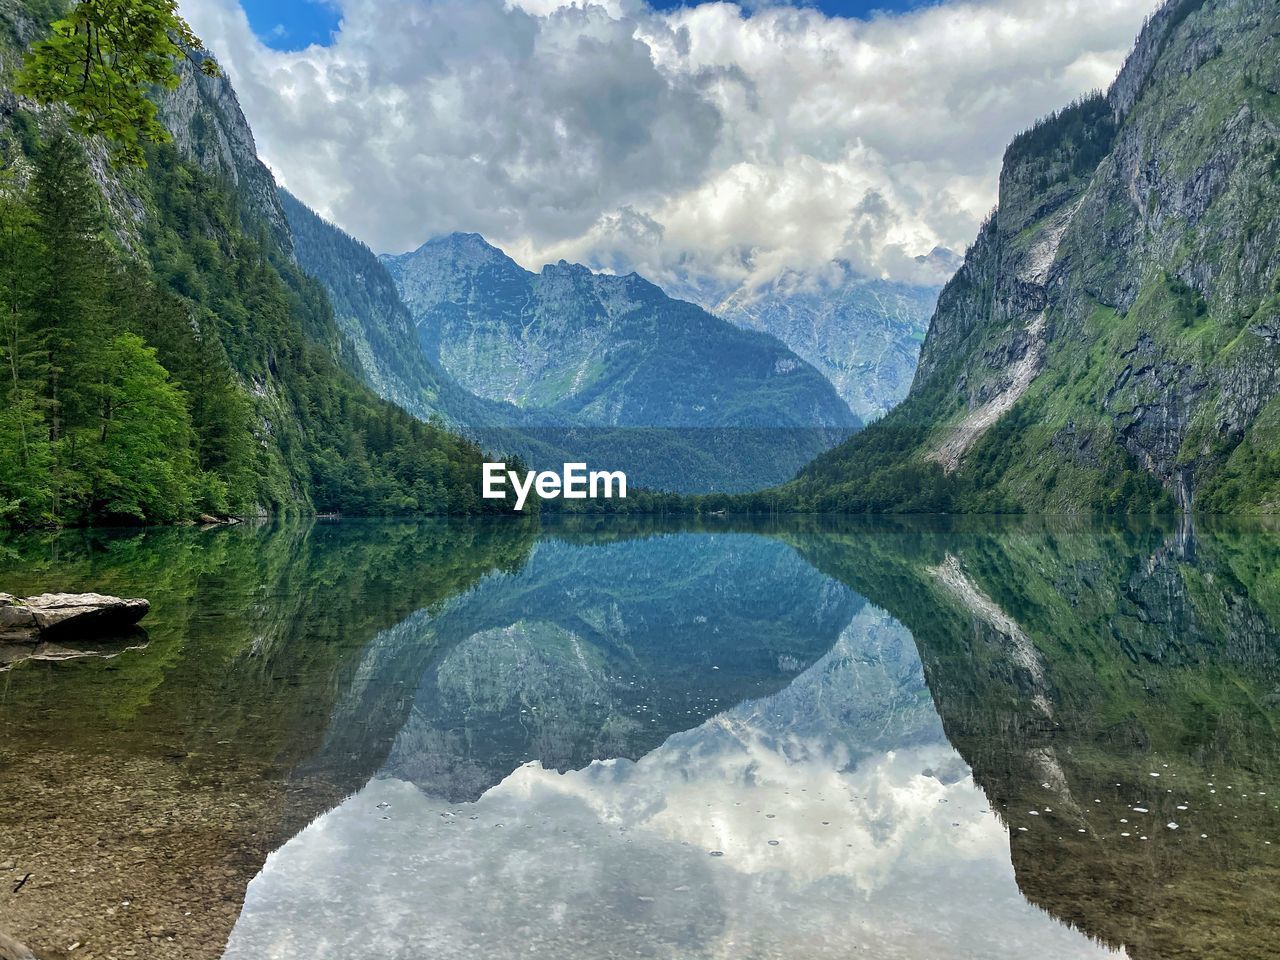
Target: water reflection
x: 889, y: 739
x: 828, y: 818
x: 593, y: 652
x: 142, y: 793
x: 1116, y: 691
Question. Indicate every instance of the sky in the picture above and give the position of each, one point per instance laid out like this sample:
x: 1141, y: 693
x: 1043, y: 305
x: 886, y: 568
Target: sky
x: 292, y: 24
x: 296, y: 24
x: 712, y: 146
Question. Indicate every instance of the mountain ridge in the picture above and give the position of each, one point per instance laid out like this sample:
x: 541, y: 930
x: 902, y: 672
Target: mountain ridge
x: 367, y: 306
x: 862, y: 333
x: 1110, y: 341
x: 567, y: 340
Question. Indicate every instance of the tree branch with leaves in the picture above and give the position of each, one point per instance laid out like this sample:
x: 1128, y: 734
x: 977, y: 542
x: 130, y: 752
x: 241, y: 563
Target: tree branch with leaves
x: 102, y: 60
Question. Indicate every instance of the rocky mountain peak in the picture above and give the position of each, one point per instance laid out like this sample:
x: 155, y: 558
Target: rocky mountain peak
x: 464, y: 251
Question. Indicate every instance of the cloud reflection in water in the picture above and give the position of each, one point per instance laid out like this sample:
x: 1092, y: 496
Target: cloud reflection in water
x: 832, y: 819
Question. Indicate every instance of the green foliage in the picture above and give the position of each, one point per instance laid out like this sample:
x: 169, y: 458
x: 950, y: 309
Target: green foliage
x: 143, y: 464
x: 26, y: 460
x: 124, y: 384
x: 364, y: 297
x: 93, y: 427
x: 25, y: 451
x: 1251, y: 474
x: 333, y: 445
x: 101, y: 59
x: 1068, y: 143
x: 212, y: 377
x: 1187, y: 304
x: 875, y: 472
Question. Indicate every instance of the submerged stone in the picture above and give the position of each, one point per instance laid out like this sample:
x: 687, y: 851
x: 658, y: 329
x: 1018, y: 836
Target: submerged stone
x: 11, y: 949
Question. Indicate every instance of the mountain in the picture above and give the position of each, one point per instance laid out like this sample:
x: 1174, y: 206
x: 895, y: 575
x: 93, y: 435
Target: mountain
x: 381, y: 331
x: 383, y: 336
x: 567, y: 365
x: 862, y: 334
x: 1112, y: 341
x: 529, y: 661
x: 368, y: 308
x: 166, y: 356
x: 600, y: 350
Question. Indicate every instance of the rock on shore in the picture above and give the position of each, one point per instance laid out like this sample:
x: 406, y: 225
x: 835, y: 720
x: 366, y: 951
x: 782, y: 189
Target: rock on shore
x: 63, y: 614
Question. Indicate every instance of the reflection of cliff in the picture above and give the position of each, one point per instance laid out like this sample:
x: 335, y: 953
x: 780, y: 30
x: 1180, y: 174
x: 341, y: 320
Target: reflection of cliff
x: 161, y: 774
x: 1158, y: 651
x: 600, y: 651
x: 288, y: 665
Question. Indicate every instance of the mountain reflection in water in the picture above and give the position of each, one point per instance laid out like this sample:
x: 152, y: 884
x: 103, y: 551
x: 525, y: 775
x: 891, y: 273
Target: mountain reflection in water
x: 828, y: 818
x: 611, y: 739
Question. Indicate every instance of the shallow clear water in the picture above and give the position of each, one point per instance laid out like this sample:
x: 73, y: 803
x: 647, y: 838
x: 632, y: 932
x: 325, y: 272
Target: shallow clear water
x: 612, y: 739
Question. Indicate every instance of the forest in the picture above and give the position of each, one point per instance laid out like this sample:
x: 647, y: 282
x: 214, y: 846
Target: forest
x: 182, y: 364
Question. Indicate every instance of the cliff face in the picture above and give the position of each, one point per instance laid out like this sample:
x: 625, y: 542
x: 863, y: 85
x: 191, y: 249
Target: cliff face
x: 209, y: 128
x: 1116, y: 324
x: 369, y: 311
x: 1133, y: 302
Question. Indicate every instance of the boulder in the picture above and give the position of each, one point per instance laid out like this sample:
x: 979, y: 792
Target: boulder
x: 17, y: 622
x: 209, y: 520
x: 60, y: 614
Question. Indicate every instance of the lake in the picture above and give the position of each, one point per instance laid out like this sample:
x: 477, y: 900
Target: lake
x: 608, y: 738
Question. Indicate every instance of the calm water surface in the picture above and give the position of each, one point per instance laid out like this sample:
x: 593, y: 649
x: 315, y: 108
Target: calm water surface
x: 613, y: 739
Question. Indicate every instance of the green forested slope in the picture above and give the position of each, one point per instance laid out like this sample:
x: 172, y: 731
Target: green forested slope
x: 370, y: 313
x: 1112, y: 340
x: 163, y: 353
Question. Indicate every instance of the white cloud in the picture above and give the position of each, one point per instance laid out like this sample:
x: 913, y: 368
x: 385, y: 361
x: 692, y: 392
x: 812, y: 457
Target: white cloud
x: 700, y: 145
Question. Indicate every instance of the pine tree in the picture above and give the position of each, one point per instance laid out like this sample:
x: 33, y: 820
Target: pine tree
x: 70, y: 278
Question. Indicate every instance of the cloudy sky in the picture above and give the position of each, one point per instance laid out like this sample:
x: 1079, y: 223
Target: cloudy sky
x: 716, y: 143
